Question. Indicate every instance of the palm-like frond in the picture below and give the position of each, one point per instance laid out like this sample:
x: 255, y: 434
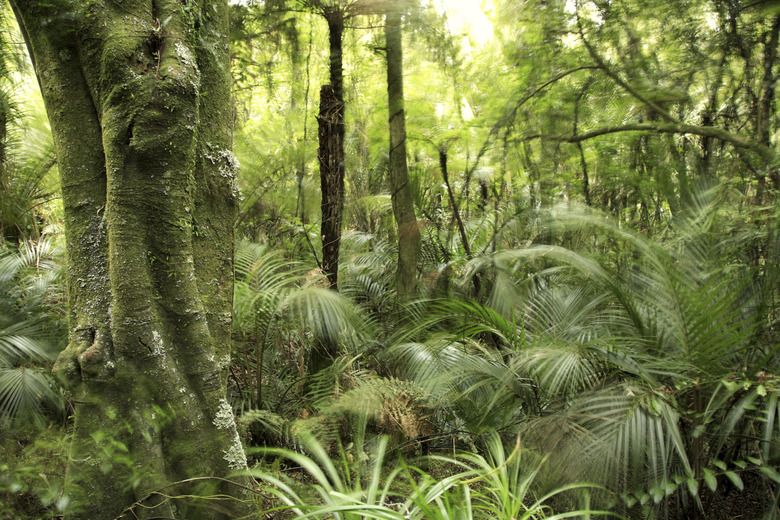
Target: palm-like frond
x: 268, y: 286
x: 609, y: 361
x: 281, y: 312
x: 367, y: 271
x: 25, y: 341
x: 28, y: 330
x: 22, y: 390
x: 625, y: 437
x: 28, y: 180
x: 471, y: 381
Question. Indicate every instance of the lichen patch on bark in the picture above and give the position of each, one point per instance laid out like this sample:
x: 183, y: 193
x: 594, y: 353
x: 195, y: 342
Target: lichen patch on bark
x: 224, y: 418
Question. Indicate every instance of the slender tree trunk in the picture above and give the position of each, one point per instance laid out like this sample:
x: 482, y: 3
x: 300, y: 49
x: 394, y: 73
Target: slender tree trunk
x: 583, y: 163
x: 455, y: 212
x: 301, y: 210
x: 138, y: 96
x: 3, y: 179
x: 484, y: 194
x: 331, y: 152
x: 401, y: 194
x: 3, y: 139
x: 331, y: 158
x: 456, y: 217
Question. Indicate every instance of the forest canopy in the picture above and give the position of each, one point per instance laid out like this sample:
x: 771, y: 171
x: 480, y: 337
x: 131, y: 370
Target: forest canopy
x: 389, y: 259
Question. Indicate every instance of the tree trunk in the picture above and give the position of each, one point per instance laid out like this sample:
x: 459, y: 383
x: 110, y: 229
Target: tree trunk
x: 331, y: 157
x: 3, y: 139
x: 138, y: 96
x: 401, y: 194
x: 765, y: 110
x: 3, y: 180
x: 455, y: 212
x: 331, y: 151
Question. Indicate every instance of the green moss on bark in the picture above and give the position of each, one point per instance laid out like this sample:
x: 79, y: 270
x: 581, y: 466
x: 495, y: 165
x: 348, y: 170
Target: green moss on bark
x: 143, y: 156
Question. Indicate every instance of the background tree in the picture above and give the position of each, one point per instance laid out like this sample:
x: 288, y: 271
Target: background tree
x: 400, y: 190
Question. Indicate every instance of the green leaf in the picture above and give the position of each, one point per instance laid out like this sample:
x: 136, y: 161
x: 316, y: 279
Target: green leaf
x: 693, y: 486
x: 761, y: 390
x: 710, y: 480
x: 771, y: 473
x: 719, y: 464
x: 735, y: 479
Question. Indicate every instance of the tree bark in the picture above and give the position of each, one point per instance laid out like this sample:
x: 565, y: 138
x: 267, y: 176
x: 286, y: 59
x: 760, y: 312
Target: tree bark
x: 138, y: 96
x: 3, y: 180
x: 401, y: 194
x: 331, y: 151
x: 331, y: 158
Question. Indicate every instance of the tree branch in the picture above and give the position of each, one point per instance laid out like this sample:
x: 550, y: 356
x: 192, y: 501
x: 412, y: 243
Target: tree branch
x: 764, y: 152
x: 504, y: 120
x: 617, y: 79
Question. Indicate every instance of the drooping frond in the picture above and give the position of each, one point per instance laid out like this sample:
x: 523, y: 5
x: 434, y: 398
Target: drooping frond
x: 625, y: 437
x: 22, y: 390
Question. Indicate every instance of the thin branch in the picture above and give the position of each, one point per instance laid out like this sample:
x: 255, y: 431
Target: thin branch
x: 502, y: 122
x: 764, y: 152
x: 617, y: 79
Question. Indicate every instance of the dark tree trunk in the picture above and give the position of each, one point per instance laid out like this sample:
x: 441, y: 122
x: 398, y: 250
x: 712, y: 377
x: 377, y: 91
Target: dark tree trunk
x: 331, y: 157
x: 3, y: 138
x: 484, y: 194
x: 331, y: 149
x: 455, y: 212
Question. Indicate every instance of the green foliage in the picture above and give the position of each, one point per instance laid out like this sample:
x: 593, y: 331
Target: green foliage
x: 27, y: 186
x: 283, y: 312
x: 32, y: 473
x: 639, y: 375
x: 498, y: 486
x: 632, y: 344
x: 31, y: 331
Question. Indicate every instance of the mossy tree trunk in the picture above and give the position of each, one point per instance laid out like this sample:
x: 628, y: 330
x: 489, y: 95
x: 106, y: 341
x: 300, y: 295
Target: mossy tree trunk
x: 401, y: 193
x: 138, y: 95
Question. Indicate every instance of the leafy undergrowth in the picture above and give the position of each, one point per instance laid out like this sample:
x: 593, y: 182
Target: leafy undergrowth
x: 497, y: 484
x: 32, y: 473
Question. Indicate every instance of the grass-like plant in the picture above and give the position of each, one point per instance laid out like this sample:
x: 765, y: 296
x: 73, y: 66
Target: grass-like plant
x: 496, y: 484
